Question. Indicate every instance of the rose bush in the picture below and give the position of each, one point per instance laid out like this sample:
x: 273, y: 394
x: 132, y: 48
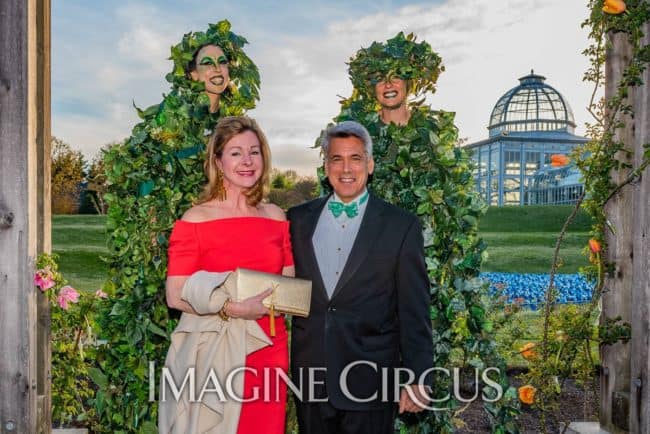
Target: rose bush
x: 72, y: 318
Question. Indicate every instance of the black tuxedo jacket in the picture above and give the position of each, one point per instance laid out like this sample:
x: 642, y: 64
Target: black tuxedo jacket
x: 378, y: 314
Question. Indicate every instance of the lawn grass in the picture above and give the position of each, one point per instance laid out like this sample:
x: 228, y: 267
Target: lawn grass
x: 519, y: 239
x: 80, y: 242
x: 534, y: 218
x: 532, y: 252
x: 522, y: 239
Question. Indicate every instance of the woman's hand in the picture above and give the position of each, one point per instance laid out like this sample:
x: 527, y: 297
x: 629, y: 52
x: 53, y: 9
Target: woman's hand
x: 251, y: 308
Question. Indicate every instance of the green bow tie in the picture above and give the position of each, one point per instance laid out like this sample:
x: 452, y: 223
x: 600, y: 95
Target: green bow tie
x: 337, y: 208
x: 351, y: 209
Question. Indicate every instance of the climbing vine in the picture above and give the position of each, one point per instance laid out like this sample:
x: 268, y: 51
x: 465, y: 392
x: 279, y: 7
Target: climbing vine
x: 565, y: 350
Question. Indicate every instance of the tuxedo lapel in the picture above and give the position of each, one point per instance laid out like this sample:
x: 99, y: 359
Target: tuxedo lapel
x: 368, y: 231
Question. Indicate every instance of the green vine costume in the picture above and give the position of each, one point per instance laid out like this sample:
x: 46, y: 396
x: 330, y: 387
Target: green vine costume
x: 418, y: 167
x: 154, y: 176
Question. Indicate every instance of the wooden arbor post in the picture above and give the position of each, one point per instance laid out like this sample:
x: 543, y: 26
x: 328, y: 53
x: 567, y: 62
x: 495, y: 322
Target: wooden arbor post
x: 616, y: 299
x: 24, y: 214
x: 625, y: 385
x: 640, y: 312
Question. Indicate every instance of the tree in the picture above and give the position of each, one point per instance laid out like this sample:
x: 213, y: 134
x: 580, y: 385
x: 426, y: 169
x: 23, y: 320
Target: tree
x: 97, y: 181
x: 288, y: 189
x: 67, y: 177
x: 283, y: 179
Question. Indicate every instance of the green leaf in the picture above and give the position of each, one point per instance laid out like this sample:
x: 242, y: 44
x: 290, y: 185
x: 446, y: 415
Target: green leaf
x: 149, y: 427
x: 423, y: 208
x: 156, y: 330
x: 118, y: 309
x: 98, y: 377
x: 145, y: 188
x: 471, y: 220
x: 434, y: 140
x: 436, y: 197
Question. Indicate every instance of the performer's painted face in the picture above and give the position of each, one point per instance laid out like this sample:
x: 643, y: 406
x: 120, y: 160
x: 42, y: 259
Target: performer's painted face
x: 241, y: 160
x: 212, y: 69
x: 347, y: 167
x: 391, y: 94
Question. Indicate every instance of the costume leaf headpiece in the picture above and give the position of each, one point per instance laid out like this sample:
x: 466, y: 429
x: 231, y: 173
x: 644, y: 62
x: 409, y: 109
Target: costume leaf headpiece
x: 244, y: 76
x: 399, y: 57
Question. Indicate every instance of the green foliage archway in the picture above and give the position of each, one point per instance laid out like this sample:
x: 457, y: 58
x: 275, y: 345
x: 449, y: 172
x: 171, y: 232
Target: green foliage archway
x: 420, y: 168
x: 153, y: 178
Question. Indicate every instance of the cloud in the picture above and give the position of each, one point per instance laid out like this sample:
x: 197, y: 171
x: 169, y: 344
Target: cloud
x: 146, y: 38
x: 297, y: 157
x: 485, y: 46
x: 89, y: 133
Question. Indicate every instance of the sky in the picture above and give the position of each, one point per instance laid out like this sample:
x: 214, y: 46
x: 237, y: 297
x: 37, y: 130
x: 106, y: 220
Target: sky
x: 107, y: 56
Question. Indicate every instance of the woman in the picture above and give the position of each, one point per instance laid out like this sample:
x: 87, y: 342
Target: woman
x: 230, y: 227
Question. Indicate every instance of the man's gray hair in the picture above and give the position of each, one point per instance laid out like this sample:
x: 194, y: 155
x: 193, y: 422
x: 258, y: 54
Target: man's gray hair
x: 346, y: 129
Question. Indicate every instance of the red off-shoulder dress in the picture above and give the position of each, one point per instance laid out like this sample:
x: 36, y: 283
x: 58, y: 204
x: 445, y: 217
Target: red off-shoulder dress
x: 256, y: 243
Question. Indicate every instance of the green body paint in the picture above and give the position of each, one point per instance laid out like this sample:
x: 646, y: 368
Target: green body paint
x: 207, y: 60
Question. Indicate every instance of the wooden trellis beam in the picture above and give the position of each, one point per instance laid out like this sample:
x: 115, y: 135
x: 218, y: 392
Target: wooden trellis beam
x: 24, y: 213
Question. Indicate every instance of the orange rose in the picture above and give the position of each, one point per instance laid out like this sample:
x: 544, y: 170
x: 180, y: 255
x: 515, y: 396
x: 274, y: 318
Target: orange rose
x: 527, y: 350
x: 559, y: 160
x: 594, y: 245
x: 614, y: 7
x: 527, y: 394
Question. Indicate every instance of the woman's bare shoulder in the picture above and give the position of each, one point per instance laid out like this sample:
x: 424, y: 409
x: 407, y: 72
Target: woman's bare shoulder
x: 272, y: 211
x: 200, y: 213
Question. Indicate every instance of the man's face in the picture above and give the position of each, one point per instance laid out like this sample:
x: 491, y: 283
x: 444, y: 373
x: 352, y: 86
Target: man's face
x: 347, y: 167
x: 391, y: 94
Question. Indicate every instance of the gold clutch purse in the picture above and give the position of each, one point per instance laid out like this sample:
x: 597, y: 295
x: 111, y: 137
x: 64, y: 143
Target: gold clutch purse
x: 290, y: 295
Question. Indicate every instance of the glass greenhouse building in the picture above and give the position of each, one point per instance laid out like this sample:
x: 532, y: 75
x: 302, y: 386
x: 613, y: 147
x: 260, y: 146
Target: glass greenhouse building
x: 529, y: 123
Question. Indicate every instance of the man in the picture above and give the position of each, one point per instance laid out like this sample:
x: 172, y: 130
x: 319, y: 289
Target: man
x: 370, y: 298
x: 420, y: 168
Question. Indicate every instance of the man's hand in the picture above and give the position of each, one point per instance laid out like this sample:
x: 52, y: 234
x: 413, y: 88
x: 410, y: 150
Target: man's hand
x: 413, y: 398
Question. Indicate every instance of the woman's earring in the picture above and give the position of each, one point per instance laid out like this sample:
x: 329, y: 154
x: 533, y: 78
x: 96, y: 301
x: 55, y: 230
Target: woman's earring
x: 219, y: 189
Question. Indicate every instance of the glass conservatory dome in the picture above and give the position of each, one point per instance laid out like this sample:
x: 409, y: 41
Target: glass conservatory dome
x: 531, y: 106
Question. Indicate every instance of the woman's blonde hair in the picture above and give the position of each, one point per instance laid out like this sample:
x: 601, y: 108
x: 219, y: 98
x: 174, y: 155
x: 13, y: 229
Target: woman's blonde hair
x: 227, y: 128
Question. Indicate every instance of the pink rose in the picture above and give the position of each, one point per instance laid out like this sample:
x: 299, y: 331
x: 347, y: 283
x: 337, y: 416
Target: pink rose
x: 44, y: 279
x: 67, y: 294
x: 101, y: 294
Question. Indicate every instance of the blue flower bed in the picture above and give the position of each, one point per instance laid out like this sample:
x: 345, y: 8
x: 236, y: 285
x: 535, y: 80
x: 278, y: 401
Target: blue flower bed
x: 572, y: 288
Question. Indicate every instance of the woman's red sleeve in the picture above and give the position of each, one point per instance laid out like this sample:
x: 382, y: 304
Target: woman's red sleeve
x: 184, y: 251
x: 286, y: 248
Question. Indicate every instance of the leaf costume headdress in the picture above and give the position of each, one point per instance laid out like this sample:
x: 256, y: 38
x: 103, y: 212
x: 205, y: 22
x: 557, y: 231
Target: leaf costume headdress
x: 244, y: 76
x: 399, y: 57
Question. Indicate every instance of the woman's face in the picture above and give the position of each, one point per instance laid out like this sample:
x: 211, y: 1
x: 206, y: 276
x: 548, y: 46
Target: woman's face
x: 391, y: 94
x: 212, y: 69
x: 241, y: 161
